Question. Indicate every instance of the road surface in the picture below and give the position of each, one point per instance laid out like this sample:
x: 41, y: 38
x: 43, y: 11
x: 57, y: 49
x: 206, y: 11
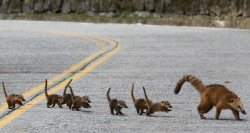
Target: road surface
x: 119, y: 54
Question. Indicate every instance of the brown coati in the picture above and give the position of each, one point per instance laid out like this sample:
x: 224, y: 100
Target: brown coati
x: 162, y: 106
x: 13, y: 99
x: 66, y: 98
x: 53, y: 98
x: 78, y: 102
x: 213, y: 95
x: 115, y: 104
x: 140, y: 103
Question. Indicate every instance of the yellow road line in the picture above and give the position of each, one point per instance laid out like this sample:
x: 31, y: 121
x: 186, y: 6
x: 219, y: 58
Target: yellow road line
x: 103, y: 47
x: 41, y: 97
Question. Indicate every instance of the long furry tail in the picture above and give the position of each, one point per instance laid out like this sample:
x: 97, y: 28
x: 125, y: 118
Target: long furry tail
x: 132, y: 93
x: 5, y: 93
x: 67, y: 85
x: 72, y: 93
x: 108, y: 97
x: 145, y: 94
x: 193, y: 80
x: 45, y: 89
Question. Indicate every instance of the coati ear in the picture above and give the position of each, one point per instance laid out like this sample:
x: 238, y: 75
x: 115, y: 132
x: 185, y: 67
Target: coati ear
x: 231, y: 100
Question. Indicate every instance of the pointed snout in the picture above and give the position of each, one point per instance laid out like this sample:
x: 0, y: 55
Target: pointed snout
x: 126, y: 106
x: 243, y: 112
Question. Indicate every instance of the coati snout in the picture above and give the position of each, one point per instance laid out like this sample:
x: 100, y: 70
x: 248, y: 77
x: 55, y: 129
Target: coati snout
x: 236, y: 104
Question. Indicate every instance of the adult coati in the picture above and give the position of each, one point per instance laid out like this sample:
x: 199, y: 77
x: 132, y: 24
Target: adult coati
x: 116, y: 104
x: 67, y: 97
x: 140, y: 103
x: 78, y: 102
x: 213, y: 95
x: 162, y: 106
x: 13, y: 99
x: 53, y: 98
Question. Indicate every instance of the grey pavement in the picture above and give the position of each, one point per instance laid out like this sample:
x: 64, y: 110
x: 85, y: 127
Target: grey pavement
x: 152, y: 56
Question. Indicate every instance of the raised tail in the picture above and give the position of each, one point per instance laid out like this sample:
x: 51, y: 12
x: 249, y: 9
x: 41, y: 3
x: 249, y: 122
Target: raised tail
x: 132, y: 93
x: 193, y: 80
x: 5, y: 93
x: 67, y: 85
x: 108, y: 97
x: 72, y: 93
x: 145, y: 94
x: 45, y: 89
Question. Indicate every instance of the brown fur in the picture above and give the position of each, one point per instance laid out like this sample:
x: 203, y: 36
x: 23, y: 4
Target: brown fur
x: 140, y: 103
x: 213, y: 95
x: 115, y: 104
x: 78, y: 102
x: 162, y: 106
x: 13, y: 99
x: 53, y: 98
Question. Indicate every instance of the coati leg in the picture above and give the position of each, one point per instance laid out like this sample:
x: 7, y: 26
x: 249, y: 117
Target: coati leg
x: 111, y: 110
x: 19, y: 102
x: 137, y: 110
x: 236, y: 114
x: 141, y: 111
x: 119, y: 112
x: 218, y: 111
x: 48, y: 104
x: 54, y: 103
x: 59, y: 104
x: 204, y: 106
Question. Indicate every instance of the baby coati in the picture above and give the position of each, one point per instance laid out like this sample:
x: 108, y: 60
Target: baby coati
x: 13, y: 99
x: 213, y: 95
x: 162, y: 106
x: 78, y: 102
x: 140, y: 103
x: 53, y: 98
x: 67, y: 97
x: 115, y: 104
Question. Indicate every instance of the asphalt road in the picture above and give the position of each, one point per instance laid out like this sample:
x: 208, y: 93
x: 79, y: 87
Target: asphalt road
x: 152, y: 56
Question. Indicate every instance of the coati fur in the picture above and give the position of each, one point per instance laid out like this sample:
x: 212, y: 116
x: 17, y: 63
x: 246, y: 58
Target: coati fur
x: 115, y: 104
x: 78, y: 102
x: 13, y: 99
x: 162, y: 106
x: 53, y: 98
x: 66, y: 98
x: 140, y: 103
x: 213, y: 95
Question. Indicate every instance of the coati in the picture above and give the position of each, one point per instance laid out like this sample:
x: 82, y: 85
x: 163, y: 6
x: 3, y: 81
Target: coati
x: 53, y: 98
x: 162, y: 106
x: 115, y: 104
x: 140, y: 103
x: 213, y: 95
x: 78, y: 102
x: 13, y: 99
x: 67, y: 97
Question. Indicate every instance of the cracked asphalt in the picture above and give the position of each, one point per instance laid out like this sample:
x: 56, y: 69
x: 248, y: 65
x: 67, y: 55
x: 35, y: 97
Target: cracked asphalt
x: 152, y: 56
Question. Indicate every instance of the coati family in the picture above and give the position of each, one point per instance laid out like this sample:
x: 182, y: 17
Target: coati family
x: 213, y: 95
x: 13, y: 99
x: 115, y: 104
x: 210, y: 95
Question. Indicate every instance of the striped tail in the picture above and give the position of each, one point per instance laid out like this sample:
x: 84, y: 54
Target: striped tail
x: 132, y: 93
x: 193, y: 80
x: 108, y: 97
x: 5, y: 93
x: 45, y: 89
x: 145, y: 94
x: 67, y: 85
x: 72, y: 93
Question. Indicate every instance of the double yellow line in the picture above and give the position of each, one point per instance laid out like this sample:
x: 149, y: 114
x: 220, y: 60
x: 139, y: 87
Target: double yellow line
x: 93, y: 58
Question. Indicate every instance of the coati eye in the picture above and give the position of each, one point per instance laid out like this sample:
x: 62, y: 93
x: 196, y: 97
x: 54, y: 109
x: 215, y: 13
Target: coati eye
x: 239, y: 107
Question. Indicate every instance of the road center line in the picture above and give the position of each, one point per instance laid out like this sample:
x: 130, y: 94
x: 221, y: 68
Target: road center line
x: 41, y: 97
